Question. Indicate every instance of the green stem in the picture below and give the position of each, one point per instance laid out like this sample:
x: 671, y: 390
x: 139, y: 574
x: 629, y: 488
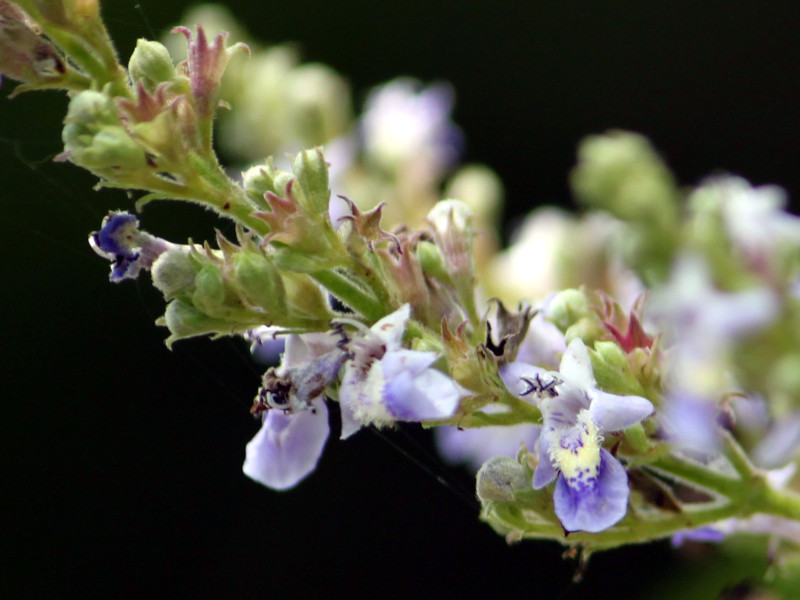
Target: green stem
x: 352, y: 295
x: 628, y: 531
x: 694, y: 473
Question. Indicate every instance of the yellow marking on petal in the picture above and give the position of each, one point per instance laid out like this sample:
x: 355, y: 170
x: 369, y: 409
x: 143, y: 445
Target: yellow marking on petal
x: 577, y: 453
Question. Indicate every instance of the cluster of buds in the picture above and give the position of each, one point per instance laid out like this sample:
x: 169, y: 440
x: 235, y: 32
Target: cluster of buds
x: 646, y: 387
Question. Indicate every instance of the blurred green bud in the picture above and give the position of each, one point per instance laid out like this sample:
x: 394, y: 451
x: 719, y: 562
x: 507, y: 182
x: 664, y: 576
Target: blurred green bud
x: 91, y: 109
x: 612, y: 369
x: 260, y: 281
x: 258, y: 181
x: 500, y: 478
x: 311, y: 172
x: 480, y: 189
x: 452, y: 224
x: 150, y: 63
x: 588, y: 329
x: 281, y: 181
x: 173, y: 272
x: 567, y: 308
x: 451, y: 216
x: 620, y: 172
x: 184, y: 320
x: 432, y: 261
x: 94, y: 137
x: 305, y: 298
x: 319, y: 103
x: 209, y: 291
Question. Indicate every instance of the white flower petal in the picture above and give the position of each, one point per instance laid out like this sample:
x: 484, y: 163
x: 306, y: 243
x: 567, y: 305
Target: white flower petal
x: 287, y: 447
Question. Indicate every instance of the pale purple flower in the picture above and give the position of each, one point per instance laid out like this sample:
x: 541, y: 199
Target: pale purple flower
x: 476, y: 445
x: 295, y: 418
x: 266, y: 345
x: 702, y: 323
x: 288, y: 446
x: 405, y: 127
x: 384, y: 382
x: 591, y: 492
x: 691, y: 310
x: 754, y: 217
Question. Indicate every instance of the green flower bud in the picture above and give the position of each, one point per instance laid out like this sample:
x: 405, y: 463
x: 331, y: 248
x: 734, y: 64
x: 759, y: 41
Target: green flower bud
x: 112, y: 147
x: 209, y: 291
x: 184, y: 321
x: 257, y: 181
x: 567, y: 308
x: 305, y: 298
x: 612, y: 369
x: 94, y: 136
x: 480, y: 189
x: 588, y: 329
x: 318, y: 101
x: 432, y: 261
x: 280, y: 180
x: 173, y: 272
x: 91, y: 109
x: 500, y: 478
x: 311, y: 172
x: 151, y: 63
x: 621, y: 173
x: 260, y: 281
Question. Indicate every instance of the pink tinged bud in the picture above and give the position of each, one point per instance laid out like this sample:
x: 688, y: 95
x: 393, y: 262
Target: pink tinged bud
x: 205, y: 66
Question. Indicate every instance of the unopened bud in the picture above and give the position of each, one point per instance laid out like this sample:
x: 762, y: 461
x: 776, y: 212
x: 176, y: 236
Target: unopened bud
x: 312, y: 176
x: 500, y: 478
x: 173, y: 271
x: 184, y: 320
x: 432, y: 261
x: 94, y: 136
x: 567, y: 308
x: 620, y: 172
x: 151, y: 63
x: 261, y: 282
x: 209, y: 291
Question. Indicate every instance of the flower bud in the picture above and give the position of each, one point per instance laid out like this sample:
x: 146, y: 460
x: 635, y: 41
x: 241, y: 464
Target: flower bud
x: 209, y: 291
x: 567, y: 308
x: 311, y: 172
x: 305, y: 298
x: 612, y: 369
x: 432, y: 261
x: 500, y: 478
x: 257, y: 181
x: 452, y: 224
x: 318, y: 101
x: 184, y: 320
x: 261, y: 282
x: 621, y: 173
x: 449, y: 215
x: 173, y: 272
x: 480, y: 189
x: 150, y: 63
x: 94, y: 137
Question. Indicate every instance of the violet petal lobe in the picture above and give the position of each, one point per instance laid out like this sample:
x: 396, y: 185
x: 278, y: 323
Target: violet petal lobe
x: 287, y: 447
x: 614, y: 413
x: 427, y: 396
x: 596, y: 504
x: 545, y: 471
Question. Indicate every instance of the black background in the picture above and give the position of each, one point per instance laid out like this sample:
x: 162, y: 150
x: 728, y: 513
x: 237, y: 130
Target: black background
x: 123, y: 459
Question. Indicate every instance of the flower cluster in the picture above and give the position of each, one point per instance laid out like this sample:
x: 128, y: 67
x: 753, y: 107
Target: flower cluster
x: 645, y: 387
